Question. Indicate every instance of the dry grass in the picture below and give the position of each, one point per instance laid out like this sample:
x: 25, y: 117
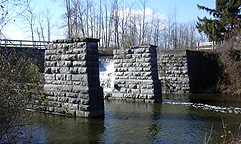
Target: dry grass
x: 106, y: 52
x: 229, y: 59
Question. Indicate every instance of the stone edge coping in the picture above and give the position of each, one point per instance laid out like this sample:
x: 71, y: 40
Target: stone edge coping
x: 76, y: 40
x: 142, y: 46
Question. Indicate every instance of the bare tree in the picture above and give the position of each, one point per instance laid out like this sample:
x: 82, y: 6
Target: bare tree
x: 119, y: 26
x: 143, y: 33
x: 115, y: 18
x: 30, y: 18
x: 48, y: 15
x: 10, y: 10
x: 68, y: 15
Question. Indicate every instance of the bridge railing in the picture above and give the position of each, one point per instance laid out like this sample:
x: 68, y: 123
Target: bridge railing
x: 24, y: 44
x: 206, y: 45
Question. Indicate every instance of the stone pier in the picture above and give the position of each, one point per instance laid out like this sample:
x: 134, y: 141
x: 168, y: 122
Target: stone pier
x: 72, y: 78
x: 136, y: 74
x: 188, y: 71
x: 173, y: 71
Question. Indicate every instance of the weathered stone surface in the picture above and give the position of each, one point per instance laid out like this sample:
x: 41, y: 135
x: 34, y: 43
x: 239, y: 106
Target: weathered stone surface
x: 136, y: 74
x: 72, y: 78
x: 173, y: 71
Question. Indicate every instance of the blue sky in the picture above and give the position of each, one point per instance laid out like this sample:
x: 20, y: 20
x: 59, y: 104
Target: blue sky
x: 186, y: 11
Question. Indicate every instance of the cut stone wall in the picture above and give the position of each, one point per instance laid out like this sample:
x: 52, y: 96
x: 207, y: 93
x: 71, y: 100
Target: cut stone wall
x: 173, y: 71
x: 136, y: 74
x: 72, y: 78
x: 188, y: 71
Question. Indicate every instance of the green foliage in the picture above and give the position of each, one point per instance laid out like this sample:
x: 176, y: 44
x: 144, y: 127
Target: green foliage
x: 226, y: 17
x: 20, y: 87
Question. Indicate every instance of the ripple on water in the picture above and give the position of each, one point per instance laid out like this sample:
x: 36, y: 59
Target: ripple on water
x: 221, y: 109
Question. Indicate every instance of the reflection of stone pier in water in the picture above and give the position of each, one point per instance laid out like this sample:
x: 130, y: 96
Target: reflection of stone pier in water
x: 136, y: 74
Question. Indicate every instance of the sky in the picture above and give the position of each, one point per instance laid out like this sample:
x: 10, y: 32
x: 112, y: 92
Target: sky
x: 186, y: 11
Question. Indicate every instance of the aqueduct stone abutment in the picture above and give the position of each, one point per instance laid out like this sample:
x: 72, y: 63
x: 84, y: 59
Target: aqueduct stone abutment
x: 136, y: 74
x: 72, y: 78
x: 72, y: 82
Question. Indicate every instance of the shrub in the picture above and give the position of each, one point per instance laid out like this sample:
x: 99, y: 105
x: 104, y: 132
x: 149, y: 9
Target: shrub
x: 20, y: 85
x: 229, y: 59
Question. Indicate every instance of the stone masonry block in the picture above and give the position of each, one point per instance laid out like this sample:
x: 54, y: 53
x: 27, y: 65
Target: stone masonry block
x: 119, y: 95
x: 55, y: 58
x: 79, y: 51
x: 51, y: 87
x: 81, y: 57
x: 79, y: 63
x: 50, y: 63
x: 84, y: 101
x: 74, y: 107
x: 68, y: 57
x: 71, y: 95
x: 67, y: 88
x: 83, y: 89
x: 50, y: 76
x: 83, y: 107
x: 60, y: 76
x: 64, y: 70
x: 80, y: 113
x: 79, y: 77
x: 140, y: 50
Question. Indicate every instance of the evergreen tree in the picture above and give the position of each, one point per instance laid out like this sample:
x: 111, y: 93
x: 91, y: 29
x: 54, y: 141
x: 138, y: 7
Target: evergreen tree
x: 226, y: 17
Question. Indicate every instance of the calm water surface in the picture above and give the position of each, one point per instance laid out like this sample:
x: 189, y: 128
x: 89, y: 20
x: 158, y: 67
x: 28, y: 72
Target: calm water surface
x: 179, y: 119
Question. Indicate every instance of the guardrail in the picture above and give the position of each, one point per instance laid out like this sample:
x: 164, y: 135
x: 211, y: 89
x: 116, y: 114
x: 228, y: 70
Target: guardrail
x: 24, y: 44
x: 206, y: 45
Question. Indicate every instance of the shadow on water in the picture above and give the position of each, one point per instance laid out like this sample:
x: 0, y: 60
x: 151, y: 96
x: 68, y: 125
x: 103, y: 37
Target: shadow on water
x: 62, y: 129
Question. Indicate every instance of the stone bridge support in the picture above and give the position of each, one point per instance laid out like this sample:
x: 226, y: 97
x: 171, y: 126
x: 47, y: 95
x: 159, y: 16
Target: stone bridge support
x: 136, y: 74
x: 72, y: 78
x: 188, y: 71
x: 173, y: 71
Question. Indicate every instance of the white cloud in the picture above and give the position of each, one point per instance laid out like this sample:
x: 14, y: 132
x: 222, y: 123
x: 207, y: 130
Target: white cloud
x: 149, y: 14
x: 14, y: 34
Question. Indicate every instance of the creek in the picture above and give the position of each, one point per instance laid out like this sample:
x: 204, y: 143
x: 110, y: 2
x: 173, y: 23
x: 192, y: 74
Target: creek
x: 179, y: 119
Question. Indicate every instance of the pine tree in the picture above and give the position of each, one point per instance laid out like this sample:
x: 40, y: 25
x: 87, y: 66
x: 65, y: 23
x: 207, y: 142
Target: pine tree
x: 226, y: 17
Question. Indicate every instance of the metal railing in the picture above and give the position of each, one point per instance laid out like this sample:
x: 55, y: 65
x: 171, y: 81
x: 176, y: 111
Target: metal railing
x: 24, y: 44
x: 206, y: 45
